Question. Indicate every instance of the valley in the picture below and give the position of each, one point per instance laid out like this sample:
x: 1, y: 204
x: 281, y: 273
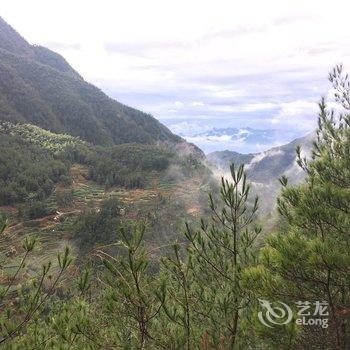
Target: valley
x: 266, y: 168
x: 115, y: 233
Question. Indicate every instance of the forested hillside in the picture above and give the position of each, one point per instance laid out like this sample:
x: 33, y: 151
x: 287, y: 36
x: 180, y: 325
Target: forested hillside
x: 33, y: 160
x: 38, y: 86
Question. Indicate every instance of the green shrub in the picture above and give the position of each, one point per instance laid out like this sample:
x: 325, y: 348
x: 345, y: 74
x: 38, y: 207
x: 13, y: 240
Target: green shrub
x: 65, y: 198
x: 27, y: 171
x: 97, y: 225
x: 38, y: 209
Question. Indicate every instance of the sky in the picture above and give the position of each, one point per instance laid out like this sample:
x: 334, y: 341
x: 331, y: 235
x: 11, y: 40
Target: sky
x: 229, y: 66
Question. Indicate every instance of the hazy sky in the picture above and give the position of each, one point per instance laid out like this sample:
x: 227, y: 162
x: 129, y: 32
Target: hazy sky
x: 199, y: 64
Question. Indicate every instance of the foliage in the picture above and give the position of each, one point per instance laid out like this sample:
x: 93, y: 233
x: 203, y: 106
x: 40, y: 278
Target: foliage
x: 33, y: 296
x: 26, y: 171
x: 64, y: 198
x: 39, y: 87
x: 54, y: 143
x: 38, y: 209
x: 221, y: 251
x: 126, y: 165
x: 310, y: 258
x: 34, y: 159
x: 133, y: 292
x: 204, y: 293
x: 97, y: 225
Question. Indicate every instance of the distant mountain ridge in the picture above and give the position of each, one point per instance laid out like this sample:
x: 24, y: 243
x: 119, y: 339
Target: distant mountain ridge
x: 249, y: 134
x: 39, y: 87
x: 265, y: 168
x: 242, y: 139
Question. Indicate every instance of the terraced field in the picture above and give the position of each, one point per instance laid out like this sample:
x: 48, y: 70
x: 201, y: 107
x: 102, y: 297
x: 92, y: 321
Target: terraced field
x: 163, y: 203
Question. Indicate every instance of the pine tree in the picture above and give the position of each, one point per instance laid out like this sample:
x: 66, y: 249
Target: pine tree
x: 181, y: 303
x: 135, y: 296
x: 310, y: 260
x: 220, y: 252
x: 32, y: 298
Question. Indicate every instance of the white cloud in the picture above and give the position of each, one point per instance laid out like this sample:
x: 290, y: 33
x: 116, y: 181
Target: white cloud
x: 228, y: 93
x: 215, y: 139
x: 258, y: 106
x: 244, y: 132
x: 186, y: 128
x: 298, y: 114
x: 196, y: 103
x: 252, y: 62
x: 262, y: 155
x: 213, y: 143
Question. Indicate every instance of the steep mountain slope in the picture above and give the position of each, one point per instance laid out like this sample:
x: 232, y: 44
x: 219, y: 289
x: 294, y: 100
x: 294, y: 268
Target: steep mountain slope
x: 49, y: 182
x: 223, y: 159
x: 38, y: 86
x: 272, y: 164
x: 265, y: 168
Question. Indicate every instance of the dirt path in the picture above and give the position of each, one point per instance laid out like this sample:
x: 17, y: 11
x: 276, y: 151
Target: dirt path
x: 57, y: 217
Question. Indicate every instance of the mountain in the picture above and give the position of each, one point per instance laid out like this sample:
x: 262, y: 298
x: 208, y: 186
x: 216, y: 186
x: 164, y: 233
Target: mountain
x: 243, y: 140
x: 265, y: 168
x: 275, y: 162
x: 223, y: 159
x: 52, y: 120
x: 250, y: 135
x: 39, y: 87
